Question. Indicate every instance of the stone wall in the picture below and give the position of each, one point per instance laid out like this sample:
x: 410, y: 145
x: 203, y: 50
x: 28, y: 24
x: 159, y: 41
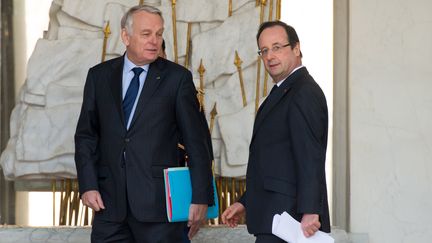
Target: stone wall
x: 390, y: 106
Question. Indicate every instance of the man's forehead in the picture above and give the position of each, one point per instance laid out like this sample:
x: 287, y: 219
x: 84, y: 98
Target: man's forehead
x: 271, y: 40
x: 147, y: 16
x: 274, y: 31
x: 146, y: 24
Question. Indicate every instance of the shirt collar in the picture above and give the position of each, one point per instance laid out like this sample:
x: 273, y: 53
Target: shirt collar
x: 128, y: 65
x: 281, y: 81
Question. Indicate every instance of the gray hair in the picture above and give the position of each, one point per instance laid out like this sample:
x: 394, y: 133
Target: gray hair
x: 127, y: 20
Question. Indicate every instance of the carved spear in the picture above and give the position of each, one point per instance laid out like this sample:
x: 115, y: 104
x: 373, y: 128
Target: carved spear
x: 263, y: 3
x: 226, y: 191
x: 278, y: 9
x: 75, y: 202
x: 201, y: 71
x: 174, y: 26
x: 220, y: 195
x: 257, y: 93
x: 265, y: 83
x: 213, y: 114
x: 229, y: 8
x: 107, y: 32
x: 270, y: 17
x: 188, y: 43
x: 238, y: 62
x: 86, y: 215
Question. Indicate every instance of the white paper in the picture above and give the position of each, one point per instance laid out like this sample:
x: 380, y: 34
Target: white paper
x: 288, y: 229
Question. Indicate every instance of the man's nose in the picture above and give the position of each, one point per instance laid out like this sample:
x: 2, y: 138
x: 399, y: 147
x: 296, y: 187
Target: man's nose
x: 153, y: 39
x: 270, y: 55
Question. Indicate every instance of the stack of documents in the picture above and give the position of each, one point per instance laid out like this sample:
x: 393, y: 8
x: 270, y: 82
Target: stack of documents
x: 288, y: 229
x: 178, y: 195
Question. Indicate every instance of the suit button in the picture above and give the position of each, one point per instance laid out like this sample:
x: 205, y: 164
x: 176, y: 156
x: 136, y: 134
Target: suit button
x: 127, y: 140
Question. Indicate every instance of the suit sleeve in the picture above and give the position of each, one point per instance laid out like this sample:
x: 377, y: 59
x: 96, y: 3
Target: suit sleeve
x: 86, y: 139
x: 308, y: 128
x: 242, y: 199
x: 196, y: 137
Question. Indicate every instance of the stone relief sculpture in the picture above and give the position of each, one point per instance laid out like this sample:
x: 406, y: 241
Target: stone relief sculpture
x: 208, y: 32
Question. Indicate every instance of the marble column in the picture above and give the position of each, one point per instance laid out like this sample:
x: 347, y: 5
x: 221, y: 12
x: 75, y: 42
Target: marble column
x: 341, y: 180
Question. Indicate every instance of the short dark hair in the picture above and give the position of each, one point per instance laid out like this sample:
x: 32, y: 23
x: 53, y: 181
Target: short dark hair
x: 127, y: 20
x: 290, y: 31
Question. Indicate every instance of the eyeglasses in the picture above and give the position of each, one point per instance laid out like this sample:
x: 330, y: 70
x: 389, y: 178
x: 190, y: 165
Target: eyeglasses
x: 275, y: 49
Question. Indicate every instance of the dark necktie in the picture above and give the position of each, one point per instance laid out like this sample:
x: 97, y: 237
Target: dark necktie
x: 273, y: 89
x: 265, y: 101
x: 131, y: 93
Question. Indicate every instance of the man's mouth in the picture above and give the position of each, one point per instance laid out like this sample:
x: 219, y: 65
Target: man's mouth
x: 152, y: 50
x: 272, y: 65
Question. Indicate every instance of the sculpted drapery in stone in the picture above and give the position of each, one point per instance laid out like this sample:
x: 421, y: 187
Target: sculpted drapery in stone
x: 44, y: 119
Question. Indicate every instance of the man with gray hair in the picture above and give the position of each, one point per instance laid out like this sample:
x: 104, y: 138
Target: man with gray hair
x: 135, y: 108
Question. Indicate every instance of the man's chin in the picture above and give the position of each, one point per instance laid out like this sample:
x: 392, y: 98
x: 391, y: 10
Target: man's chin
x: 149, y: 59
x: 273, y: 73
x: 150, y: 55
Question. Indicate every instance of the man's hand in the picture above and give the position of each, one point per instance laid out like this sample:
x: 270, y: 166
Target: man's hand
x: 197, y: 215
x: 93, y: 200
x: 310, y: 224
x: 232, y: 215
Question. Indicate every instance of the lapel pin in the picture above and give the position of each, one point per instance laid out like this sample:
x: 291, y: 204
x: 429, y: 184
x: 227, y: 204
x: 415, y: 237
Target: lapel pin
x: 158, y: 77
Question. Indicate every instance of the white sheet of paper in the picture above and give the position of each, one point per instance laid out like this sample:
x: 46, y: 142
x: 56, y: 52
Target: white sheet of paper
x: 288, y: 229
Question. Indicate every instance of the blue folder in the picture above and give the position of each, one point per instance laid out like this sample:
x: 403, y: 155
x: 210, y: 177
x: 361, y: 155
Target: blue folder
x: 178, y: 193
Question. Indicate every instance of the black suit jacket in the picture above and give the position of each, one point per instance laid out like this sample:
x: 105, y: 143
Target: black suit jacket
x: 167, y: 107
x: 286, y: 170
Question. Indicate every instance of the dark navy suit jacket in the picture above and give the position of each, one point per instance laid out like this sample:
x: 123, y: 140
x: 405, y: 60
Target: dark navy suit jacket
x: 286, y: 168
x: 167, y: 109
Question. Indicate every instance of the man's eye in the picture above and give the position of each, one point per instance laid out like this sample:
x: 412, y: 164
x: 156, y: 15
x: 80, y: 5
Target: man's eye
x: 276, y: 48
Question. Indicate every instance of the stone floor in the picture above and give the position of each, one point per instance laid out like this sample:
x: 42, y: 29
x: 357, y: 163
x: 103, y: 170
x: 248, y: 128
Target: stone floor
x: 214, y: 234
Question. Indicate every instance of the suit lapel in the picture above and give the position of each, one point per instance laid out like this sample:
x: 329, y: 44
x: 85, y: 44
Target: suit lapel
x: 273, y: 99
x: 267, y: 106
x: 152, y: 82
x: 116, y: 85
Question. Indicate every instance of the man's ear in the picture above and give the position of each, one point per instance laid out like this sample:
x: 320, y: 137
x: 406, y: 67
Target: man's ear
x: 296, y: 49
x: 125, y: 37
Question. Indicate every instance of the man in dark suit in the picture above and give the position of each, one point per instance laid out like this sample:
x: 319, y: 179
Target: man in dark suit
x: 135, y: 109
x: 286, y: 168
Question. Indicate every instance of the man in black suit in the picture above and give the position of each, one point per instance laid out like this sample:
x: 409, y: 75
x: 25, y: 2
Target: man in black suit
x: 286, y: 168
x: 135, y: 109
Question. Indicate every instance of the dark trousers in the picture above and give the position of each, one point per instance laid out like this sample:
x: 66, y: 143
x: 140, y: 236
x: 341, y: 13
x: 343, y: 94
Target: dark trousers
x: 185, y: 234
x: 268, y: 238
x: 133, y: 231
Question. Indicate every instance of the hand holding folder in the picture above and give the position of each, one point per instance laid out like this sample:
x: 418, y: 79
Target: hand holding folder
x: 178, y: 195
